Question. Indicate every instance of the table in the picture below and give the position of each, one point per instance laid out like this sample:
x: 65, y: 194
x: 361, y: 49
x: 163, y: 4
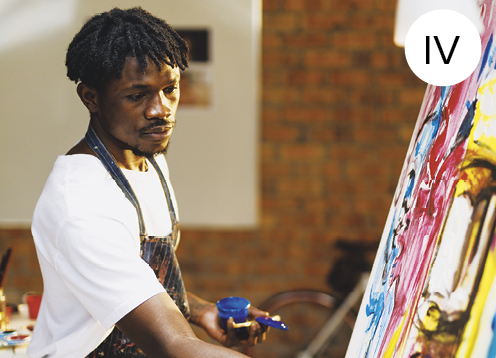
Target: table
x: 18, y: 323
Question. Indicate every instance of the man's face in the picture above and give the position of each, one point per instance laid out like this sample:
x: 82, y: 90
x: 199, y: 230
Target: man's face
x: 138, y: 110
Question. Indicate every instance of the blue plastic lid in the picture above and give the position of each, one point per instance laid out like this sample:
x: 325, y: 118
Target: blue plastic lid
x: 267, y: 321
x: 233, y: 305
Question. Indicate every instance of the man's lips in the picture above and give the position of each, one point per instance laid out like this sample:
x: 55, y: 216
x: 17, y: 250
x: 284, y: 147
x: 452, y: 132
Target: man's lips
x: 158, y: 130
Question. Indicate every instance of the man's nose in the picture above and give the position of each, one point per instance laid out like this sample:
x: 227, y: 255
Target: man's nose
x: 160, y: 107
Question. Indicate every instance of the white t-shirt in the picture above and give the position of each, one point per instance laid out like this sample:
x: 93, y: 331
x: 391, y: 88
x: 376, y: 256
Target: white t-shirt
x: 87, y: 240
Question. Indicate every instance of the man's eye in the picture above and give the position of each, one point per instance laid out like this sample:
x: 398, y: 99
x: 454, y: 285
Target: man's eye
x: 170, y: 89
x: 135, y: 97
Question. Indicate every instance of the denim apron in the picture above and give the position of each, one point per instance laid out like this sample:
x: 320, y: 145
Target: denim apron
x: 157, y: 251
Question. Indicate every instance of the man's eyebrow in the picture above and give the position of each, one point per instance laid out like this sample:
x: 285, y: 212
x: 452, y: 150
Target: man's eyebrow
x: 144, y: 86
x: 139, y: 86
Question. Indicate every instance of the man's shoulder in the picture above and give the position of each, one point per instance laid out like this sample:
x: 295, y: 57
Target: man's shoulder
x: 80, y: 181
x: 78, y: 171
x: 79, y: 189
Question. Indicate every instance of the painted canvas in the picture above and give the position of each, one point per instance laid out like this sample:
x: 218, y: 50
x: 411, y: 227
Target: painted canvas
x: 432, y: 291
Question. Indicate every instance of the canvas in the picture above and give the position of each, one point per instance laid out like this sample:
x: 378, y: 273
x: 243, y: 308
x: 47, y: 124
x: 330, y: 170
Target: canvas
x: 432, y: 291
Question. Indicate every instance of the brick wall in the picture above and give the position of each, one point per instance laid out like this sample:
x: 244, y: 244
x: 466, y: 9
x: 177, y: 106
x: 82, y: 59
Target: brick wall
x: 339, y: 104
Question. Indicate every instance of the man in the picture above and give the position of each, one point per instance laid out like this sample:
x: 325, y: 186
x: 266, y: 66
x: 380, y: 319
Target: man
x: 105, y: 226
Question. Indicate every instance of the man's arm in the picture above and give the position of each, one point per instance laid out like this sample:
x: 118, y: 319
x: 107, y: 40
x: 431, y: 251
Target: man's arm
x: 160, y: 330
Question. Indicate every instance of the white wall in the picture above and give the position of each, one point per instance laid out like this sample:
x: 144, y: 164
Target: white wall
x: 213, y: 152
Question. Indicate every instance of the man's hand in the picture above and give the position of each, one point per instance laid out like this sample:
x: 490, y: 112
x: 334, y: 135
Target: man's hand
x: 205, y: 315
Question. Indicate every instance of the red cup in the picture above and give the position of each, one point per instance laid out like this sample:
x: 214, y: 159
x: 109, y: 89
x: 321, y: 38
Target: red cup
x: 9, y: 314
x: 33, y: 302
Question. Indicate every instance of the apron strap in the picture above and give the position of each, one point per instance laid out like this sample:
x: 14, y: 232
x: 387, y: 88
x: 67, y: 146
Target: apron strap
x: 110, y: 164
x: 176, y: 233
x: 115, y: 172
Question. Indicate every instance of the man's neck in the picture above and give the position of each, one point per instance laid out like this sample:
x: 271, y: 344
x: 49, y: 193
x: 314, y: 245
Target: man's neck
x: 125, y: 158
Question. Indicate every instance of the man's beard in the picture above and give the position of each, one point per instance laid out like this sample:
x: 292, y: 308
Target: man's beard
x: 150, y: 155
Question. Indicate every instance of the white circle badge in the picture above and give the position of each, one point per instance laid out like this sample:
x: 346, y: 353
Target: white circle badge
x: 443, y: 47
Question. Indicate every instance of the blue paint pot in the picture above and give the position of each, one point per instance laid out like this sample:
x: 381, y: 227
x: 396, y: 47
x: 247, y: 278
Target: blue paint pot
x: 235, y: 307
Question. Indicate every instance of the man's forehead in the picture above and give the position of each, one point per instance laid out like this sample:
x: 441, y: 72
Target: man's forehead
x: 133, y: 72
x: 132, y: 64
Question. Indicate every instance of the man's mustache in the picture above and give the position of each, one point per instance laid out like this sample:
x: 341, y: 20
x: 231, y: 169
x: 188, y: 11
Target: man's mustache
x: 157, y: 123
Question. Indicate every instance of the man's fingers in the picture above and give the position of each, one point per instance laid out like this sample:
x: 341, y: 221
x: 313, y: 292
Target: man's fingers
x: 231, y: 333
x: 264, y: 336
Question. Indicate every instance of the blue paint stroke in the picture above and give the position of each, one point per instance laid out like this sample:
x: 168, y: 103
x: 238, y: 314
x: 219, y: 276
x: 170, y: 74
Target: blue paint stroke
x: 374, y: 308
x: 425, y: 141
x: 486, y: 56
x: 430, y: 129
x: 411, y: 184
x: 491, y: 353
x: 383, y: 321
x: 465, y: 127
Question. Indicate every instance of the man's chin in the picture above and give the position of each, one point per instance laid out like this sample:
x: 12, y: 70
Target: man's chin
x: 149, y: 155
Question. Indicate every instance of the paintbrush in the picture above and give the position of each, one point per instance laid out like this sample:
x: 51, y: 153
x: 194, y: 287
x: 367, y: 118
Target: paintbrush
x: 3, y: 266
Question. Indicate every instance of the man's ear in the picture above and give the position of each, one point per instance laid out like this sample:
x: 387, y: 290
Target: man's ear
x: 89, y: 97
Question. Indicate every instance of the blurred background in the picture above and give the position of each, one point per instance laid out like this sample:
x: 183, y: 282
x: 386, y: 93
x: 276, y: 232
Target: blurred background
x: 335, y: 109
x: 338, y: 107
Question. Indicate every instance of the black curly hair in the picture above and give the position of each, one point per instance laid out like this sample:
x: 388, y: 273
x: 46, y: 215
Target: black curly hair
x: 97, y: 52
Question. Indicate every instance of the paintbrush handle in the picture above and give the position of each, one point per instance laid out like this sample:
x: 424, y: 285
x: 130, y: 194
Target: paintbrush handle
x: 3, y: 266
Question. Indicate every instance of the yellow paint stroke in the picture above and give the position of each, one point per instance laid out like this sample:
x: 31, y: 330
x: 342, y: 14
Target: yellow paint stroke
x: 474, y: 180
x: 389, y: 351
x: 472, y: 329
x: 408, y: 329
x: 481, y: 145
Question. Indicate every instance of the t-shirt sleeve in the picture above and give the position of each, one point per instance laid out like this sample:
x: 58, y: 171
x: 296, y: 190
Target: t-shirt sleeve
x: 99, y: 261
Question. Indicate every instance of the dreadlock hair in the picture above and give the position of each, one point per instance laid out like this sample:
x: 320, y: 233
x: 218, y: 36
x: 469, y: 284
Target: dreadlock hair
x: 97, y: 53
